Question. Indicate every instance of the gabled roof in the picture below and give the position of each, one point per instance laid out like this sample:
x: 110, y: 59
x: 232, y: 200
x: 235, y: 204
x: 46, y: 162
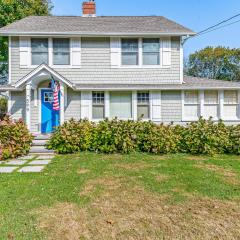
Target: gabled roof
x: 38, y: 70
x: 128, y: 25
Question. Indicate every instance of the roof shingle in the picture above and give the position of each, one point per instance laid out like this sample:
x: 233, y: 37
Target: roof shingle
x: 95, y: 25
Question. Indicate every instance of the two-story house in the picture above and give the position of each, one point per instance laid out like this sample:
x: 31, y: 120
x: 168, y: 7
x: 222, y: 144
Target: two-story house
x: 125, y: 67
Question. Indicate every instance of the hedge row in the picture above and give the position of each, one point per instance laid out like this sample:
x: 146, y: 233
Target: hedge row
x: 117, y: 136
x: 15, y: 139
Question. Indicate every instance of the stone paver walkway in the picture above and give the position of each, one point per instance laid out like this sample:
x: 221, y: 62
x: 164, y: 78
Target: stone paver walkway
x: 31, y: 169
x: 26, y: 164
x: 7, y: 169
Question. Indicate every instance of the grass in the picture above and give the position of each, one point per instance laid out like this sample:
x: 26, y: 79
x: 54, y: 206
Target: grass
x: 136, y: 196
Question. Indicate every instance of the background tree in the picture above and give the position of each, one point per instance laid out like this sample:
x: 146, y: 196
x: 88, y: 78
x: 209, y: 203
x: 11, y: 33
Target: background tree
x: 12, y: 10
x: 216, y: 63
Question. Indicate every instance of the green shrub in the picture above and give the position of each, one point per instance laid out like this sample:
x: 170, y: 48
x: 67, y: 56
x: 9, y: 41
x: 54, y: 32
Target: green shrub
x: 15, y: 139
x: 3, y: 107
x: 117, y: 136
x: 153, y: 138
x: 73, y: 136
x: 204, y: 137
x: 234, y: 139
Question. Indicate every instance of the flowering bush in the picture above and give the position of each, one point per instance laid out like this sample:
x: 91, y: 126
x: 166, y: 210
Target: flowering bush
x: 15, y: 139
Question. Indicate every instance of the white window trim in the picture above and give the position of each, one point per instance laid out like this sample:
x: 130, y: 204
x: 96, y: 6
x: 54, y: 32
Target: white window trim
x: 222, y: 104
x: 104, y: 107
x: 220, y: 107
x: 140, y: 55
x: 50, y: 54
x: 185, y: 118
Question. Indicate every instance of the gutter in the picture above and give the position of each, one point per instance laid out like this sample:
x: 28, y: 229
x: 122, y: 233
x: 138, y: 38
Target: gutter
x: 89, y: 34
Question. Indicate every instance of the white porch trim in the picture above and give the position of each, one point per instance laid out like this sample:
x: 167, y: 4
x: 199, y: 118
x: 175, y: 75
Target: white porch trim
x: 38, y: 70
x: 28, y: 105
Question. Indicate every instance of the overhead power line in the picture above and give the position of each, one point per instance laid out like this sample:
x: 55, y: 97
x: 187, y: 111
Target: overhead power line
x: 218, y: 24
x: 215, y: 27
x: 226, y: 25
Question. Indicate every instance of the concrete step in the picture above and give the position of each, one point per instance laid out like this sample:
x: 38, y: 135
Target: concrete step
x: 42, y: 137
x: 40, y: 150
x: 39, y: 142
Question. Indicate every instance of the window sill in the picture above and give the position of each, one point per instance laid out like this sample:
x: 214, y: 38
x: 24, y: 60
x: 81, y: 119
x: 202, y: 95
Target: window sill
x: 52, y: 66
x: 144, y: 67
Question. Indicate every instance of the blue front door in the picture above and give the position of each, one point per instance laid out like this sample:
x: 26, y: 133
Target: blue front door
x: 50, y: 118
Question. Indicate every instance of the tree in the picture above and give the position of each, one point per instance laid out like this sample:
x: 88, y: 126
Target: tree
x: 12, y: 10
x: 216, y: 63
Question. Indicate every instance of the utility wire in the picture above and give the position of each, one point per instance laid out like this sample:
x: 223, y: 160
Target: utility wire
x: 226, y: 25
x: 218, y: 24
x: 213, y: 28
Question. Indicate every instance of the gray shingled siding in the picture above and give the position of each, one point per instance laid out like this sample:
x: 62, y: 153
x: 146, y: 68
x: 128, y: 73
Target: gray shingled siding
x: 72, y: 110
x: 171, y: 106
x: 96, y: 66
x: 18, y: 103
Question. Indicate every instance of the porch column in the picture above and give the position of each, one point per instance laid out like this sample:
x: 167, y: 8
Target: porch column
x: 62, y: 105
x: 28, y: 105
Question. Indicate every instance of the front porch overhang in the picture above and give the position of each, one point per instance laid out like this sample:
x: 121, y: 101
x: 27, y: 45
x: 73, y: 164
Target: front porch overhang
x: 41, y: 73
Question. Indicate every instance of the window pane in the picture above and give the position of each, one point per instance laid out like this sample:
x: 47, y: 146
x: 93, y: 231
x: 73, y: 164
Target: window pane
x: 230, y: 112
x: 121, y: 105
x: 151, y: 45
x: 143, y: 111
x: 98, y: 112
x: 143, y: 97
x: 191, y: 97
x: 230, y: 97
x: 211, y: 97
x: 191, y: 111
x: 39, y: 58
x: 210, y: 111
x: 61, y: 51
x: 151, y: 59
x: 61, y: 45
x: 98, y: 97
x: 61, y: 58
x: 129, y: 45
x: 129, y: 58
x: 39, y: 47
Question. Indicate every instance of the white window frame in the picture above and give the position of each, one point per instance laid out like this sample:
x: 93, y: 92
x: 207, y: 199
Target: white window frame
x: 186, y: 118
x: 50, y: 53
x: 213, y: 104
x: 140, y: 54
x: 99, y: 104
x: 146, y: 104
x: 237, y: 105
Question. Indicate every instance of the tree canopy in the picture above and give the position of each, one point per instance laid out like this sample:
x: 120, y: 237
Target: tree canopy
x: 12, y: 10
x: 217, y: 63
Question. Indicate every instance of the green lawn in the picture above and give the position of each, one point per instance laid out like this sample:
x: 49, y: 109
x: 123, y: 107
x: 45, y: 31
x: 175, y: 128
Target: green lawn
x: 138, y: 196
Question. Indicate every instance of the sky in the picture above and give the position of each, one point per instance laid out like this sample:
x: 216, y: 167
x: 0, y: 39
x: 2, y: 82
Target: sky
x: 194, y: 14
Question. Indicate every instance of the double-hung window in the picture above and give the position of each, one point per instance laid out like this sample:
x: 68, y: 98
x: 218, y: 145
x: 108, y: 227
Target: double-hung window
x: 61, y: 51
x: 143, y: 108
x: 230, y: 107
x: 191, y: 105
x: 130, y: 52
x: 211, y: 104
x: 151, y: 51
x: 98, y: 105
x: 39, y: 48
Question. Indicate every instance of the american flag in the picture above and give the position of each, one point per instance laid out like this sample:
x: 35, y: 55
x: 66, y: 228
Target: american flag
x: 55, y: 88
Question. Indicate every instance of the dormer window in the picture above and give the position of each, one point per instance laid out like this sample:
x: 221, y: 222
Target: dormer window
x: 61, y: 51
x: 39, y: 48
